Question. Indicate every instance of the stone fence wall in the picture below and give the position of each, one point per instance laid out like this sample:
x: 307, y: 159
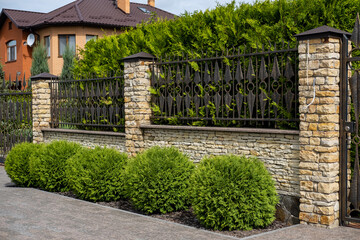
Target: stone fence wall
x: 89, y: 139
x: 304, y: 164
x: 278, y: 149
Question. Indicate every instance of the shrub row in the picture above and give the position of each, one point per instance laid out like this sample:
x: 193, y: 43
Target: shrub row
x: 226, y: 192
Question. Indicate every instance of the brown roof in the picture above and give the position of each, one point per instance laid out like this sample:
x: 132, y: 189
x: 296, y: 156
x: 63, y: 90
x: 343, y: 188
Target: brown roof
x: 22, y: 19
x: 102, y: 13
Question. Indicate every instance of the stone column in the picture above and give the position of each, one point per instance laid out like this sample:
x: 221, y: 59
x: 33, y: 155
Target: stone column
x: 41, y: 111
x: 319, y: 126
x: 137, y: 99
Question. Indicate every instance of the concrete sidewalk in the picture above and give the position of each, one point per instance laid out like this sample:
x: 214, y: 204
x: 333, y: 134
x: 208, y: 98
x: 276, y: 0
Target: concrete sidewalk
x: 33, y: 214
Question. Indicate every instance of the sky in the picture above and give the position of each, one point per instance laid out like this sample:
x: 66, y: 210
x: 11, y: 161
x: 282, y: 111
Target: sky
x: 176, y: 7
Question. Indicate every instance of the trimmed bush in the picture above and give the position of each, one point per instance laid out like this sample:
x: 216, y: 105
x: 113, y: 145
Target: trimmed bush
x: 95, y: 174
x: 232, y: 192
x: 157, y: 180
x: 17, y: 163
x: 47, y: 167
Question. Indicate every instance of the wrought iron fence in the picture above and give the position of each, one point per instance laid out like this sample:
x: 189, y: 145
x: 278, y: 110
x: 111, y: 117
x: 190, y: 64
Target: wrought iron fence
x: 255, y: 89
x: 89, y: 104
x: 15, y: 114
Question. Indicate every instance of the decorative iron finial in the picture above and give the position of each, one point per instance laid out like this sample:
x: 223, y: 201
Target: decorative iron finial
x: 355, y: 38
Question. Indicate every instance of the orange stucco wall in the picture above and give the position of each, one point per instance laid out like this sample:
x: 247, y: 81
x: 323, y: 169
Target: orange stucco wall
x: 23, y: 63
x: 80, y: 32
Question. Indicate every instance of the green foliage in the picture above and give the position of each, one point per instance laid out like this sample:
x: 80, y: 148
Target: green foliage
x: 17, y: 163
x: 95, y: 174
x: 157, y: 180
x: 68, y: 57
x: 2, y: 73
x: 39, y: 60
x: 47, y: 167
x: 223, y: 28
x: 231, y: 192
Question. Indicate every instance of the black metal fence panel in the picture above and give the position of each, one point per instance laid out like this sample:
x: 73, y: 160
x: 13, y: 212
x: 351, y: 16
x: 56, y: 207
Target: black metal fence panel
x: 88, y: 104
x: 15, y: 114
x: 350, y: 129
x: 257, y: 89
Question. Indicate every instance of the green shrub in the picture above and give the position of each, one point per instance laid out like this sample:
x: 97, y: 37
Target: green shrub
x: 68, y: 57
x: 47, y: 167
x: 17, y: 163
x: 95, y: 174
x: 225, y: 27
x: 39, y: 63
x: 231, y: 192
x: 157, y: 180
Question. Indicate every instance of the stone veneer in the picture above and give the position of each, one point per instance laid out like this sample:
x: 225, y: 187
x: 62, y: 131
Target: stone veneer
x: 278, y: 149
x: 137, y: 99
x: 304, y: 164
x: 319, y: 131
x: 89, y: 139
x: 41, y: 112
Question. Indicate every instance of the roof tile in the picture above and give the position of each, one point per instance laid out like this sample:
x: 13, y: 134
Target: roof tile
x: 93, y: 12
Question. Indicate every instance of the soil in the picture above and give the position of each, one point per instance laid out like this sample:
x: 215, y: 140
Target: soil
x: 185, y: 217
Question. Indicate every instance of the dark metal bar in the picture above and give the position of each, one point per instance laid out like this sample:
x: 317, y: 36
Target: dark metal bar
x: 15, y: 115
x: 349, y: 219
x: 215, y: 90
x: 343, y: 134
x: 91, y: 125
x: 95, y: 103
x: 87, y: 80
x: 16, y: 94
x: 225, y: 119
x: 222, y: 57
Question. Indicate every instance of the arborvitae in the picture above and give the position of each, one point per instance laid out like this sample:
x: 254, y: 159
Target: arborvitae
x: 225, y: 27
x: 67, y: 70
x: 39, y: 60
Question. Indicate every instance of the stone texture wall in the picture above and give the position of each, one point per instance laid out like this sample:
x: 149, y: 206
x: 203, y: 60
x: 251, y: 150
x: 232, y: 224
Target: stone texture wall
x: 304, y: 164
x: 137, y: 102
x: 87, y: 138
x: 40, y: 108
x: 279, y: 151
x: 319, y: 132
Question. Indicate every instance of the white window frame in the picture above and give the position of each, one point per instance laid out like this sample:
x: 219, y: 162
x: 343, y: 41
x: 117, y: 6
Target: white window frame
x: 67, y: 42
x: 47, y: 45
x: 11, y: 51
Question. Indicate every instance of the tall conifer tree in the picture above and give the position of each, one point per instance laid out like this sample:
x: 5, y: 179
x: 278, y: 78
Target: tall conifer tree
x: 39, y: 60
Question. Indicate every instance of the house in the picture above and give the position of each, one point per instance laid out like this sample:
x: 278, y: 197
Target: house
x: 73, y: 24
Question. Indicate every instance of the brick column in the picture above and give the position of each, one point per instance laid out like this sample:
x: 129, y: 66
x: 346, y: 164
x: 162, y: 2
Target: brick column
x: 41, y: 104
x: 319, y: 126
x: 137, y: 99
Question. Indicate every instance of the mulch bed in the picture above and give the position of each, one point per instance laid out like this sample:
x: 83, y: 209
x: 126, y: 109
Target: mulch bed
x: 185, y: 217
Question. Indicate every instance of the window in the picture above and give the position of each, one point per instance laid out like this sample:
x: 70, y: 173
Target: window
x: 47, y: 45
x: 89, y: 37
x: 144, y: 10
x: 11, y: 51
x: 66, y: 40
x: 10, y: 25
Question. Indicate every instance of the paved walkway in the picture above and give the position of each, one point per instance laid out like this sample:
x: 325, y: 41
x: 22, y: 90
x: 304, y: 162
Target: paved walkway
x: 33, y: 214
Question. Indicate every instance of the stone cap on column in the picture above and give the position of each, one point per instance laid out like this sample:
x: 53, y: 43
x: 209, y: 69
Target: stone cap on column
x: 44, y: 76
x: 140, y: 56
x: 322, y: 32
